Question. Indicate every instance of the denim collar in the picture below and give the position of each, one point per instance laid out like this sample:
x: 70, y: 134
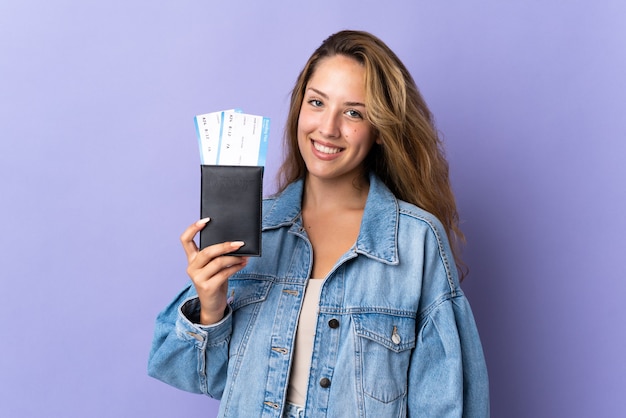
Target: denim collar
x: 378, y: 238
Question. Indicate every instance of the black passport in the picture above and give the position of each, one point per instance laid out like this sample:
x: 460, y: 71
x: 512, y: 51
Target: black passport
x: 232, y: 197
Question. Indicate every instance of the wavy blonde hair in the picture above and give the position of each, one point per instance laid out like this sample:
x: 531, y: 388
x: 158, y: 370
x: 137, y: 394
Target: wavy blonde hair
x: 410, y: 159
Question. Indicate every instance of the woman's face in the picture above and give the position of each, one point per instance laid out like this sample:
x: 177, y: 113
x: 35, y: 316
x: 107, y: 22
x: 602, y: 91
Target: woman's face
x: 334, y: 136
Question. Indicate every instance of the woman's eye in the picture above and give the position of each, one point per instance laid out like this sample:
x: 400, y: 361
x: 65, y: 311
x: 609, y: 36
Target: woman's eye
x: 315, y: 103
x: 354, y: 114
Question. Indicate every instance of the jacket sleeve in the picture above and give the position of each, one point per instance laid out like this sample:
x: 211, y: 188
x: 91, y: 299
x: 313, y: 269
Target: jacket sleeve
x: 448, y: 374
x: 186, y: 355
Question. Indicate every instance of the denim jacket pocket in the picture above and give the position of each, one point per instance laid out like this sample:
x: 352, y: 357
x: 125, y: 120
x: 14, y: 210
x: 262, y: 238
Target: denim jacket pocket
x: 244, y: 290
x: 383, y: 346
x: 245, y: 294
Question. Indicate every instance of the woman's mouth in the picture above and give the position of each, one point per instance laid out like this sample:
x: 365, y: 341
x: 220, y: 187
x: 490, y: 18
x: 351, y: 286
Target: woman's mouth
x: 325, y: 149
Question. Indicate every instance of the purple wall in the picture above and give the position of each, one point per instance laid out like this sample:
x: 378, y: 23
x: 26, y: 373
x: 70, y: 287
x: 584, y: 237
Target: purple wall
x: 99, y: 175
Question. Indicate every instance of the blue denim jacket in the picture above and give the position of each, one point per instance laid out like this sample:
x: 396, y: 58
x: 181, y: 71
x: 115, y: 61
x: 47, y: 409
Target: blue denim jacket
x: 395, y: 334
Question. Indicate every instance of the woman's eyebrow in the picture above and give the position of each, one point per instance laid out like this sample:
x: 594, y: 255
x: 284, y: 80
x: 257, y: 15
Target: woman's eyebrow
x: 321, y: 93
x: 325, y: 96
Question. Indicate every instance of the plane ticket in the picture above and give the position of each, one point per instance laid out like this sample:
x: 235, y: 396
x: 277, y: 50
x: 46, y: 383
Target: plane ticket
x: 231, y: 137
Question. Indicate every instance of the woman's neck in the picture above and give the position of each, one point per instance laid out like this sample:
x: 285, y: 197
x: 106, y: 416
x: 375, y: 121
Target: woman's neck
x: 329, y: 195
x: 331, y: 214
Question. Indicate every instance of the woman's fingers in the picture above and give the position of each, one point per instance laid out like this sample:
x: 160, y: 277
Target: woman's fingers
x: 215, y: 274
x: 208, y: 264
x: 211, y: 280
x: 186, y: 238
x: 211, y: 252
x: 209, y: 269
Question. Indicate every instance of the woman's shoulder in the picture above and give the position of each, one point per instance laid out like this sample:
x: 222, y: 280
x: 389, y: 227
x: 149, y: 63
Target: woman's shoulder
x: 386, y: 200
x: 283, y: 206
x: 414, y: 214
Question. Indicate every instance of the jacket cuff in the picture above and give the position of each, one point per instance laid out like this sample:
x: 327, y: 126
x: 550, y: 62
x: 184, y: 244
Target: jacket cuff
x: 188, y: 328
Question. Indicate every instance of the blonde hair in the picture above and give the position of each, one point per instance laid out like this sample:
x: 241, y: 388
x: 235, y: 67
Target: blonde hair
x: 410, y: 159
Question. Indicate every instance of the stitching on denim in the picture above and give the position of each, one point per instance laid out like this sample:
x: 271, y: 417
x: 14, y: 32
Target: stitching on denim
x: 440, y: 246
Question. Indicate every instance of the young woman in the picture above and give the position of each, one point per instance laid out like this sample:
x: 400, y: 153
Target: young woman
x: 355, y: 308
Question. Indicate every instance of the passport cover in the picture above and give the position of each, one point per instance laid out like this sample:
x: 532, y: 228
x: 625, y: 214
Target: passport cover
x: 232, y: 197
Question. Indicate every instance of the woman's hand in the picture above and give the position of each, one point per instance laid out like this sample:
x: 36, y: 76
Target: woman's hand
x: 209, y: 270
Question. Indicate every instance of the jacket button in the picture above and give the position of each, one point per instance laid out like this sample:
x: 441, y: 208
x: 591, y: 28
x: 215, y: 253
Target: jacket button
x: 333, y: 323
x: 325, y: 382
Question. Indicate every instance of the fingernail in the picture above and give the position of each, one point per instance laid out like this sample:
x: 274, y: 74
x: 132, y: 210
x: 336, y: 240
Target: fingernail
x: 203, y: 221
x: 237, y: 243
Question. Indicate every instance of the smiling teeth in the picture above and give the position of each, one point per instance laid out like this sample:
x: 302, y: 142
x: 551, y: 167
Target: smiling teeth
x: 325, y: 149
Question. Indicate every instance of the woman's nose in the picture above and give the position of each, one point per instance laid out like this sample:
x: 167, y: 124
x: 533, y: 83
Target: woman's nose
x: 329, y: 125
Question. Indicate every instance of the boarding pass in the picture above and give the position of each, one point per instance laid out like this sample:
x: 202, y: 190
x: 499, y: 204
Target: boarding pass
x: 231, y: 137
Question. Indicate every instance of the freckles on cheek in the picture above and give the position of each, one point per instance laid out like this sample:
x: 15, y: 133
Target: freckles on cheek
x: 349, y: 133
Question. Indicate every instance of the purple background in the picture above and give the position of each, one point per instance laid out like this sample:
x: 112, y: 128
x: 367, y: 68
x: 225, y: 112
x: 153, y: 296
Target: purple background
x: 99, y: 175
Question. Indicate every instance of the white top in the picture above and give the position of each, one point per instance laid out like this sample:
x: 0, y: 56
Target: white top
x: 305, y: 334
